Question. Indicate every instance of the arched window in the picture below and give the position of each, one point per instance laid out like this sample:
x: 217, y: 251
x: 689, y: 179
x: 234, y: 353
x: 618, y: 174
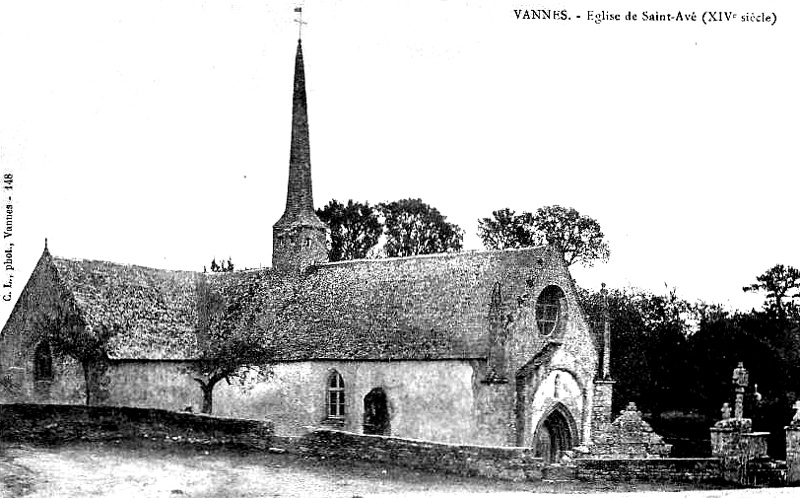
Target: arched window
x: 335, y: 395
x: 42, y: 362
x: 548, y: 308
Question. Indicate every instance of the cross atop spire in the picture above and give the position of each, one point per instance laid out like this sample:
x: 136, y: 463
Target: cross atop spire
x: 299, y: 21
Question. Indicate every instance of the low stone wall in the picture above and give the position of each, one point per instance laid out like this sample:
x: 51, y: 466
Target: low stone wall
x: 650, y: 470
x: 488, y: 461
x: 61, y: 423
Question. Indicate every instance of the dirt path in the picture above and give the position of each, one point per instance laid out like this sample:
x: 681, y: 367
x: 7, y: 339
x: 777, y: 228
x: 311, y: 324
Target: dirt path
x: 135, y: 471
x: 109, y: 471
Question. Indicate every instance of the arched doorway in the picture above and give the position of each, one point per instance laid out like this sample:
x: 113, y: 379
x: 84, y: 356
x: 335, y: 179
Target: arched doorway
x: 555, y: 435
x: 376, y: 413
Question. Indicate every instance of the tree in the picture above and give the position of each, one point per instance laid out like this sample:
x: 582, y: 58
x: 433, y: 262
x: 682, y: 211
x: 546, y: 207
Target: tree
x: 230, y: 349
x: 629, y: 367
x: 355, y: 229
x: 68, y: 335
x: 413, y: 227
x: 579, y: 236
x: 781, y: 283
x: 649, y: 347
x: 507, y: 230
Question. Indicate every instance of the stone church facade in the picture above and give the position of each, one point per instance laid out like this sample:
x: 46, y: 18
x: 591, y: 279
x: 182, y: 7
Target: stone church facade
x: 487, y: 347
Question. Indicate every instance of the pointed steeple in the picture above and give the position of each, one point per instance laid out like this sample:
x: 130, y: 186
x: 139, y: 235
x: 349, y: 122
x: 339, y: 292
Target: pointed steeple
x: 299, y: 235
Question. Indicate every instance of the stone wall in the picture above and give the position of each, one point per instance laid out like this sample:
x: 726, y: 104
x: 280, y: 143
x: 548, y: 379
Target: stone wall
x: 512, y: 463
x: 650, y: 470
x: 60, y: 423
x: 22, y: 333
x: 743, y: 454
x: 467, y: 460
x: 571, y: 345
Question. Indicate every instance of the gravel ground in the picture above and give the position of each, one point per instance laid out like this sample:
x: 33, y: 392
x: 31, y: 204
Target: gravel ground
x: 134, y: 470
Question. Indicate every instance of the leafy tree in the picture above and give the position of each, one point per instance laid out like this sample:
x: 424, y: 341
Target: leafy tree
x: 229, y: 349
x: 666, y: 324
x: 579, y: 236
x: 507, y: 230
x: 355, y: 229
x: 413, y: 227
x: 782, y: 285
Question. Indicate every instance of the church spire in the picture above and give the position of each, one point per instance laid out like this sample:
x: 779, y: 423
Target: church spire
x: 299, y: 198
x: 299, y: 236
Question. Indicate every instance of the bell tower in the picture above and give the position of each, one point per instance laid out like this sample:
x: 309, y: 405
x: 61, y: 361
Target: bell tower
x: 299, y: 236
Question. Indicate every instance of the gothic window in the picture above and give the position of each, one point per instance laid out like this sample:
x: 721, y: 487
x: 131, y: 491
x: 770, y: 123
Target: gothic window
x: 335, y: 395
x: 548, y: 309
x: 42, y: 362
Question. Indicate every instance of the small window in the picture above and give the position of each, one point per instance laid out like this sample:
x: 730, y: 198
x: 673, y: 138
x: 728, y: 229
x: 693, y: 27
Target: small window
x: 548, y: 309
x: 335, y: 395
x: 42, y: 362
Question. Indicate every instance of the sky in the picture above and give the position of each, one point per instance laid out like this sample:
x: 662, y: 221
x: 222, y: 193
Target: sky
x: 157, y: 133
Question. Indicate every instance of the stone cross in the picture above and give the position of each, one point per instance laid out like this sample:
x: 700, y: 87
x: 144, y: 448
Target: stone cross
x: 796, y: 418
x: 740, y: 382
x: 726, y: 411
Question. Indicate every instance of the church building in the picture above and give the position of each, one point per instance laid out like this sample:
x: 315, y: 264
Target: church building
x: 480, y: 347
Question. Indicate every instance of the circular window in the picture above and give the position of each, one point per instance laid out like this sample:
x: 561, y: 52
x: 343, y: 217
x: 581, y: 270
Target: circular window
x: 548, y: 308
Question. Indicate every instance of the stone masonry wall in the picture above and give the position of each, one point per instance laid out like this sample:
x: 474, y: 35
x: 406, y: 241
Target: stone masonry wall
x: 61, y: 423
x: 487, y: 461
x: 20, y: 336
x: 743, y: 454
x: 650, y: 470
x: 571, y: 342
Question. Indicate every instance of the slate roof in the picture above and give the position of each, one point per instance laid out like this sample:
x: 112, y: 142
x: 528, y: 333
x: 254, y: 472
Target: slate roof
x: 423, y: 307
x: 157, y: 306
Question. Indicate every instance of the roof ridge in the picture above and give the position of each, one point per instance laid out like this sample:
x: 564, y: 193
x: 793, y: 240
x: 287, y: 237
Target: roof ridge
x: 128, y: 265
x: 468, y: 252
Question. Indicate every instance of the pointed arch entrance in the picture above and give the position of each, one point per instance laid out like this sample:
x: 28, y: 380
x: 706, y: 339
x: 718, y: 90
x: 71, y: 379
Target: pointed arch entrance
x: 376, y: 413
x: 555, y: 434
